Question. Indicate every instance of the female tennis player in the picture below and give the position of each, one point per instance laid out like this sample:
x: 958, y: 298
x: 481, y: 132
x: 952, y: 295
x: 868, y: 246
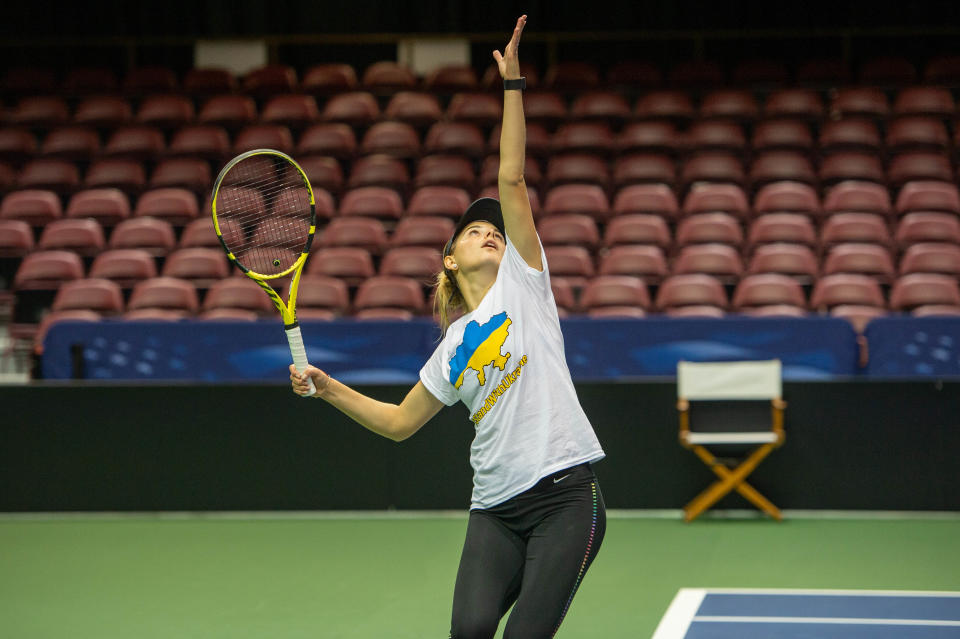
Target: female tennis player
x: 537, y: 517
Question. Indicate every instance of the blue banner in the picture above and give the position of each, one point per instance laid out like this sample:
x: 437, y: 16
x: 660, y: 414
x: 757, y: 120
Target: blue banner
x: 386, y: 352
x: 912, y: 347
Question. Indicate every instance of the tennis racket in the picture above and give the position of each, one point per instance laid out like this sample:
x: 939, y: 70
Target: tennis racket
x: 264, y: 214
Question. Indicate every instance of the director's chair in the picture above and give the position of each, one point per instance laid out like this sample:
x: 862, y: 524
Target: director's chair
x: 734, y: 408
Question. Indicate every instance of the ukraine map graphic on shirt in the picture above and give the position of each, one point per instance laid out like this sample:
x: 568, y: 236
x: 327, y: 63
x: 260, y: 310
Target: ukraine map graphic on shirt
x: 480, y: 347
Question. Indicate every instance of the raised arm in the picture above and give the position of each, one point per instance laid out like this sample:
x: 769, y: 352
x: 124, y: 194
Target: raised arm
x: 514, y: 200
x: 396, y: 422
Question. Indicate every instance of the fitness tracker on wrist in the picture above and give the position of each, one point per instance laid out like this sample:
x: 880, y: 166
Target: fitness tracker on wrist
x: 519, y: 84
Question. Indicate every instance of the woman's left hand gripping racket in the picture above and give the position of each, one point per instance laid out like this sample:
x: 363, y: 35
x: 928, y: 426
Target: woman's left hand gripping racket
x: 264, y: 214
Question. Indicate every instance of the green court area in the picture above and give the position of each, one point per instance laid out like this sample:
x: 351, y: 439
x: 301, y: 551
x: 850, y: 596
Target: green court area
x: 392, y: 576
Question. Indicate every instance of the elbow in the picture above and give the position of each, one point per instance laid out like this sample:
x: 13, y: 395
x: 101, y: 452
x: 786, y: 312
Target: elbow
x: 510, y: 177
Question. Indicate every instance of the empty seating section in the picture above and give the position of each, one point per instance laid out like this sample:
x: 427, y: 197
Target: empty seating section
x: 693, y: 191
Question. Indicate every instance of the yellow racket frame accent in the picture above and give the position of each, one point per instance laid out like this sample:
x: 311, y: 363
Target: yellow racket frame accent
x: 288, y: 309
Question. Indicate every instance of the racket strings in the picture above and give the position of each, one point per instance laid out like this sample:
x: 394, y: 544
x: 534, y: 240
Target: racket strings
x: 264, y: 218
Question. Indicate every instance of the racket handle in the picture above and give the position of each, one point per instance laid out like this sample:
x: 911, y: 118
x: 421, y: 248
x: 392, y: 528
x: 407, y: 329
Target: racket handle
x: 299, y: 353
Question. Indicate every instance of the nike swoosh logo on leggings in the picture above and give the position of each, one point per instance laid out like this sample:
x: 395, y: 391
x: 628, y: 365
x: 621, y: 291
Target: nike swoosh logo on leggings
x: 557, y: 481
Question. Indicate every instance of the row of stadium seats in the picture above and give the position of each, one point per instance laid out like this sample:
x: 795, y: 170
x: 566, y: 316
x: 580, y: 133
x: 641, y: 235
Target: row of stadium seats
x: 360, y: 108
x: 565, y: 75
x: 401, y: 140
x: 109, y: 206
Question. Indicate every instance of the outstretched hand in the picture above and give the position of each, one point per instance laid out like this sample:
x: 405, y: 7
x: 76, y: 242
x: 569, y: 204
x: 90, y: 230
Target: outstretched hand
x: 509, y: 62
x: 299, y: 380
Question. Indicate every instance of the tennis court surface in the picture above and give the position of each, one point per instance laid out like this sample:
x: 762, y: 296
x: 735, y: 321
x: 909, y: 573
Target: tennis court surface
x: 699, y: 613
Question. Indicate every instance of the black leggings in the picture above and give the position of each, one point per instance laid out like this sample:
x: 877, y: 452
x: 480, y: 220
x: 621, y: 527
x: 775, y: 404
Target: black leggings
x: 532, y: 551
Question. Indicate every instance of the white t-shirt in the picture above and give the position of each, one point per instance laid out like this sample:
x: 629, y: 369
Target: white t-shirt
x: 505, y: 362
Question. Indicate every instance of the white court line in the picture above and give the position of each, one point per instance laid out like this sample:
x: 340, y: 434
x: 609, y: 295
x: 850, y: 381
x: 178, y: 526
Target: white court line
x: 676, y: 621
x: 831, y: 620
x: 832, y: 593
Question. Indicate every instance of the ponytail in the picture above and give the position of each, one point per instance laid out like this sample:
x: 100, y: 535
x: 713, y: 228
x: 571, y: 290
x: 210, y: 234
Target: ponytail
x: 447, y: 299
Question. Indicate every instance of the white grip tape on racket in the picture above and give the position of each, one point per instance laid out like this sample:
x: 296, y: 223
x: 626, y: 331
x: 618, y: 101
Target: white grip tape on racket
x: 299, y: 353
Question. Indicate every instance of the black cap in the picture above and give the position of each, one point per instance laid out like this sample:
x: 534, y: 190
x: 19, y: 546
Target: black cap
x: 486, y: 209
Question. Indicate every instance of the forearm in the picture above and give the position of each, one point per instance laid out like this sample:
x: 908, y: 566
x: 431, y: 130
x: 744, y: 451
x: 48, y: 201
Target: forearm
x: 379, y: 417
x: 513, y: 138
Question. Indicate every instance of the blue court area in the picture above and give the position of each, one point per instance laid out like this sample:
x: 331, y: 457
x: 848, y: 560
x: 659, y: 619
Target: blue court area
x: 810, y: 614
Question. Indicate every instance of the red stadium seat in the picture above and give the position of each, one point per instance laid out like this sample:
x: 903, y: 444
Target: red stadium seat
x: 145, y: 80
x: 460, y: 138
x: 423, y: 230
x: 794, y: 228
x: 78, y: 144
x: 324, y: 173
x: 615, y: 292
x: 768, y: 289
x: 703, y: 228
x: 585, y: 137
x: 414, y: 108
x: 450, y: 78
x: 127, y: 175
x: 854, y: 195
x: 293, y: 110
x: 646, y: 198
x: 53, y: 175
x: 855, y: 227
x: 372, y: 201
x: 16, y: 240
x: 17, y: 145
x: 263, y: 136
x: 208, y: 81
x: 712, y: 166
x: 845, y: 288
x: 570, y: 229
x: 202, y: 266
x: 787, y: 197
x: 352, y: 264
x: 329, y: 78
x: 716, y: 135
x: 638, y: 168
x: 588, y: 199
x: 730, y: 104
x: 640, y: 260
x: 854, y: 257
x: 126, y: 267
x: 46, y: 270
x: 237, y: 293
x: 229, y: 111
x: 794, y: 103
x: 923, y: 195
x: 34, y: 206
x: 649, y: 137
x: 608, y: 106
x: 578, y: 168
x: 135, y: 143
x: 319, y: 295
x: 796, y: 260
x: 850, y: 134
x: 356, y: 108
x: 477, y: 108
x: 103, y: 112
x: 921, y: 226
x: 153, y: 235
x: 40, y: 112
x: 908, y: 167
x: 84, y: 237
x: 922, y: 289
x: 418, y: 262
x: 887, y: 70
x: 719, y: 260
x: 917, y: 133
x: 852, y: 165
x: 572, y: 76
x: 696, y: 311
x: 544, y: 107
x: 164, y: 293
x: 336, y: 140
x: 84, y: 80
x: 572, y: 262
x: 177, y: 206
x: 448, y: 201
x: 943, y: 69
x: 693, y: 289
x: 270, y: 80
x: 166, y: 111
x: 775, y: 166
x: 33, y: 80
x: 444, y: 170
x: 379, y: 171
x: 715, y: 198
x: 396, y: 139
x: 388, y: 75
x: 490, y: 171
x: 637, y: 229
x: 867, y: 102
x: 936, y: 310
x: 363, y: 232
x: 200, y: 233
x: 95, y: 294
x: 675, y: 106
x: 789, y: 135
x: 387, y: 291
x: 188, y: 173
x: 931, y: 257
x: 207, y: 142
x: 924, y: 101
